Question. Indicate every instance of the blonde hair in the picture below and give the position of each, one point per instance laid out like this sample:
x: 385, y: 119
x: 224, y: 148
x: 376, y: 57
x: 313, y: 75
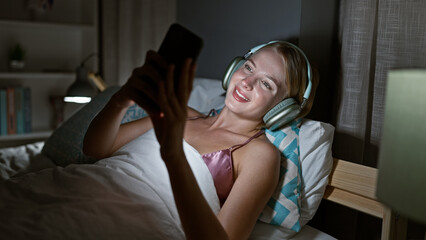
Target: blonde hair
x: 296, y: 73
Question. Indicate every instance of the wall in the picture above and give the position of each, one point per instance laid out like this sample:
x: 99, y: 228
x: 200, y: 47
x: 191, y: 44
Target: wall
x: 319, y: 40
x: 231, y: 28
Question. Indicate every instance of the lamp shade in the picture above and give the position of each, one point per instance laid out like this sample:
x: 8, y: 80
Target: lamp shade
x: 401, y: 181
x: 81, y: 91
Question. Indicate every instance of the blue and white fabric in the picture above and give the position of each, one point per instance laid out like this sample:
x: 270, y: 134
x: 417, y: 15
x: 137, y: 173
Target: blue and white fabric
x: 283, y: 208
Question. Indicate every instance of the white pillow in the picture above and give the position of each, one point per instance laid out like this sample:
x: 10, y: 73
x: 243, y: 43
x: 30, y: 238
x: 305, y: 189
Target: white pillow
x: 316, y: 139
x: 206, y: 94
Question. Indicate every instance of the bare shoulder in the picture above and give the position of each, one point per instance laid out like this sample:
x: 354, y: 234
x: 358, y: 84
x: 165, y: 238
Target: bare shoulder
x: 260, y: 153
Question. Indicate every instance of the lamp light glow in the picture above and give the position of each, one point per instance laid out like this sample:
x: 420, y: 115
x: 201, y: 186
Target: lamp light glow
x: 77, y: 99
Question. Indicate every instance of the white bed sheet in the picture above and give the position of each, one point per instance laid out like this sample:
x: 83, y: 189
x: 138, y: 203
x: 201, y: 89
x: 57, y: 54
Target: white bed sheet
x: 126, y: 196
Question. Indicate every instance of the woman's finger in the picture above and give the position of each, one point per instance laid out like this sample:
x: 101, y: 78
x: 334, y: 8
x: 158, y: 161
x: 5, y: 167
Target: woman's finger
x: 147, y: 73
x: 171, y: 99
x: 164, y: 101
x: 145, y: 102
x: 156, y: 59
x: 170, y: 81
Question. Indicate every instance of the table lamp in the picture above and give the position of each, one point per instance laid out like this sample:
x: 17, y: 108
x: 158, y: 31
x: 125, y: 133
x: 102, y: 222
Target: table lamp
x: 81, y: 91
x: 86, y: 84
x: 401, y: 183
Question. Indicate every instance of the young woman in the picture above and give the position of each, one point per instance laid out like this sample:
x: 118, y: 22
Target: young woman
x: 243, y: 163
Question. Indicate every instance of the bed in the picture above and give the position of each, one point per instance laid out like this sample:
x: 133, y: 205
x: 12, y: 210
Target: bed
x: 103, y: 199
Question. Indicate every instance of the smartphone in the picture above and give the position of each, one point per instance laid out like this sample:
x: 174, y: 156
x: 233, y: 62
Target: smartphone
x: 179, y: 44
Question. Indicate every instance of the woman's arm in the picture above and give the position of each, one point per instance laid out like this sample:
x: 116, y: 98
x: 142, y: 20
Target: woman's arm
x: 258, y: 167
x: 105, y: 135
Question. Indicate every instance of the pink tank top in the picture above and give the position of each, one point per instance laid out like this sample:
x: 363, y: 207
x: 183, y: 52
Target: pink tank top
x: 220, y: 165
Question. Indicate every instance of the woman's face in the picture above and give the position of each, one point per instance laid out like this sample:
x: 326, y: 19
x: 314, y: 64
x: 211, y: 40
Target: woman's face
x: 258, y: 85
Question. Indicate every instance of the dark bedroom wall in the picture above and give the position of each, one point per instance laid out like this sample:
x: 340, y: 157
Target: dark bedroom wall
x: 319, y: 39
x: 231, y: 28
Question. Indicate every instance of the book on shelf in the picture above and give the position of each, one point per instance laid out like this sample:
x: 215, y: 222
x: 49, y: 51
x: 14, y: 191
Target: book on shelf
x: 19, y: 110
x: 27, y: 110
x: 11, y: 114
x: 15, y: 110
x: 3, y: 112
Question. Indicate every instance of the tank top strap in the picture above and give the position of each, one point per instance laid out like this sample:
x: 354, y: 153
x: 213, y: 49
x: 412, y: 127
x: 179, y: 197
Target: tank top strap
x: 212, y: 112
x: 235, y: 147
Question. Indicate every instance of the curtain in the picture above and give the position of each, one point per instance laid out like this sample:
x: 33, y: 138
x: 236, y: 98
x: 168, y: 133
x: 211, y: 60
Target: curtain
x: 375, y: 36
x: 128, y: 30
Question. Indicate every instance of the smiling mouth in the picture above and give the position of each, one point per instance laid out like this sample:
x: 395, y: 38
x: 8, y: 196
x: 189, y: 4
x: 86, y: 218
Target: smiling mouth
x: 240, y: 95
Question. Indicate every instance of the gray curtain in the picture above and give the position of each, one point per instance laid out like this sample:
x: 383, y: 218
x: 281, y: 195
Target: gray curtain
x: 129, y: 29
x: 375, y: 36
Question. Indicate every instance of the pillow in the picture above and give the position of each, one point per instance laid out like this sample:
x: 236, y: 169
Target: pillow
x: 206, y: 94
x: 283, y: 208
x: 134, y: 112
x: 65, y: 145
x: 315, y: 140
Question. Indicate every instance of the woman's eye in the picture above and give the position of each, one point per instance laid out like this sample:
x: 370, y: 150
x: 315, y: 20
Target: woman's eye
x: 248, y: 68
x: 266, y: 84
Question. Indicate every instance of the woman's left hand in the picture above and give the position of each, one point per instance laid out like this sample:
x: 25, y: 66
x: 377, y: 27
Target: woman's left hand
x: 169, y: 123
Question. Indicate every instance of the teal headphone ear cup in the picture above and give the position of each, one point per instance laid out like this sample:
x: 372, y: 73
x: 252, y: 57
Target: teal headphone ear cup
x: 232, y: 67
x: 284, y: 112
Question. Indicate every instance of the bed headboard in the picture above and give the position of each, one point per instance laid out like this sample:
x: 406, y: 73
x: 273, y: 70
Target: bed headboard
x: 354, y: 186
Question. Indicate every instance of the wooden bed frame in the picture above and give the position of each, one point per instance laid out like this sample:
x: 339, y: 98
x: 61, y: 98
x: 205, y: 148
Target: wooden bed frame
x: 354, y: 186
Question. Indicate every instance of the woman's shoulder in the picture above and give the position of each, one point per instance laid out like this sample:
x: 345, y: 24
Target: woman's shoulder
x: 260, y: 160
x: 260, y: 151
x: 263, y: 145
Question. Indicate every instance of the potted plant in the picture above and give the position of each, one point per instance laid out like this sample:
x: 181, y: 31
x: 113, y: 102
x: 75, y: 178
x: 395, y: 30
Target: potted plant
x: 17, y: 58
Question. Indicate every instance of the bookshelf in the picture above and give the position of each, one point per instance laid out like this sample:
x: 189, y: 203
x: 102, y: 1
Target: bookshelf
x: 55, y: 44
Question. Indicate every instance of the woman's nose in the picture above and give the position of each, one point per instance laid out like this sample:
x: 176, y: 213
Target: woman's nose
x: 248, y: 82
